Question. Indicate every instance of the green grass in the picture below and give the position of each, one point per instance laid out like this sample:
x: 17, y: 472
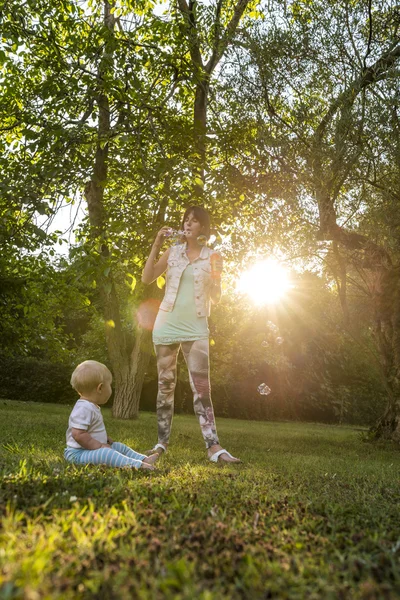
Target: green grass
x: 313, y: 512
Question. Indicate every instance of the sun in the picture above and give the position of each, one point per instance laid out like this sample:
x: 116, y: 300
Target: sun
x: 266, y: 282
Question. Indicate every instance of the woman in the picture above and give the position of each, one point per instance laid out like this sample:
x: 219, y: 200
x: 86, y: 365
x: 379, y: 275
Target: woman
x: 193, y: 280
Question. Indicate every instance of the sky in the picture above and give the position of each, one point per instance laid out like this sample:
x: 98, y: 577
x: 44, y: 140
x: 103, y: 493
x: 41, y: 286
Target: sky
x: 67, y: 219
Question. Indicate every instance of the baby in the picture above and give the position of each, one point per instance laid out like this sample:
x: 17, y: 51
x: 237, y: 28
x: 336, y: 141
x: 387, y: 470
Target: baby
x: 87, y: 439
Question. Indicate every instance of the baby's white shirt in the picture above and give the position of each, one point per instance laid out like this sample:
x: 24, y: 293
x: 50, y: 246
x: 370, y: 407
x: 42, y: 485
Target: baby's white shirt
x: 86, y: 415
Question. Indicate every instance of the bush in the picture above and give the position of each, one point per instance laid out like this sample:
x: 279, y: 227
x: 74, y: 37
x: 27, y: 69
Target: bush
x: 32, y: 380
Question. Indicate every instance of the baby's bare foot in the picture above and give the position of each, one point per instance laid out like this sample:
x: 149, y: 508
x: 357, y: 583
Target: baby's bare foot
x: 147, y: 467
x: 150, y: 460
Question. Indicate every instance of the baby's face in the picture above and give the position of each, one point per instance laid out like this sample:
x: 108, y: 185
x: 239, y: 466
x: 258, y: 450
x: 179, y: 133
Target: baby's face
x: 104, y: 391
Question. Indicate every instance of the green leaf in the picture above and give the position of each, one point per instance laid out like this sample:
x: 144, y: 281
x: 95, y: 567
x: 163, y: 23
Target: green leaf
x: 160, y: 282
x: 133, y: 282
x: 199, y: 181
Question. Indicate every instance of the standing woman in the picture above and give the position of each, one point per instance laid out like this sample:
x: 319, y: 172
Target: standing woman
x: 193, y: 281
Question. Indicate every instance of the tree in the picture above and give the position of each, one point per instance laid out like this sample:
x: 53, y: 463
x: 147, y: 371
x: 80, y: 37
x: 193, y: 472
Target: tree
x: 37, y: 298
x: 324, y: 76
x: 208, y: 36
x: 65, y: 103
x: 122, y: 81
x: 297, y: 148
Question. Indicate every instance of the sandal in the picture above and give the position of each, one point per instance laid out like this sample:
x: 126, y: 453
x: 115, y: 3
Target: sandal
x: 159, y: 448
x: 214, y: 458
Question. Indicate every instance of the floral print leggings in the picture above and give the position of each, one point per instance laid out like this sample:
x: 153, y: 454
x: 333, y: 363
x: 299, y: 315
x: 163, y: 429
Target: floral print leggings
x: 196, y: 355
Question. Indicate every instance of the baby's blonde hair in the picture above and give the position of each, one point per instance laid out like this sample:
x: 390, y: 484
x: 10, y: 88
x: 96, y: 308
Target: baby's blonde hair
x: 88, y: 375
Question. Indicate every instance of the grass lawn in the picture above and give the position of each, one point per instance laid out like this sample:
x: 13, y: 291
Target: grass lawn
x: 313, y: 512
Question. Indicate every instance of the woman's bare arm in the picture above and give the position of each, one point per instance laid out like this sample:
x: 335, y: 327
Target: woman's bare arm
x: 151, y: 271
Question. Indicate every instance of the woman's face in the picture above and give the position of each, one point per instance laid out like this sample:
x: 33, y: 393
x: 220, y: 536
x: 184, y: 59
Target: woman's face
x: 192, y: 226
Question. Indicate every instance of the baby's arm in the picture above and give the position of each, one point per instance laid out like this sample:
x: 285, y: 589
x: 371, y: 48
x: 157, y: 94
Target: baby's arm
x: 85, y: 440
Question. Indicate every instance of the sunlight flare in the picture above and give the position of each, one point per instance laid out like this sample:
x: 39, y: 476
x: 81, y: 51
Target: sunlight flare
x: 266, y: 282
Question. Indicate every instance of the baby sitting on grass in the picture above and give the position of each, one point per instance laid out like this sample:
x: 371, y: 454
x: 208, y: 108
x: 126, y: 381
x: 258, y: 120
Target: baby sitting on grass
x: 87, y: 439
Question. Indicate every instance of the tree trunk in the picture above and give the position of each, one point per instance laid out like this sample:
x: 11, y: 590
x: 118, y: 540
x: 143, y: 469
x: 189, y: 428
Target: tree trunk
x: 385, y: 291
x: 131, y: 373
x: 222, y: 37
x: 129, y: 378
x: 200, y: 131
x: 387, y: 333
x: 388, y: 425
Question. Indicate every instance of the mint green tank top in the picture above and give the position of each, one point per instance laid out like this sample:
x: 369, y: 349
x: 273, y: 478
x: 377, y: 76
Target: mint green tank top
x: 181, y: 324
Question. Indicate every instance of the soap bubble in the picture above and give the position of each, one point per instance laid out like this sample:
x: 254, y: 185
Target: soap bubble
x: 175, y: 235
x: 272, y: 327
x: 263, y: 389
x: 279, y: 340
x: 202, y: 240
x: 264, y: 344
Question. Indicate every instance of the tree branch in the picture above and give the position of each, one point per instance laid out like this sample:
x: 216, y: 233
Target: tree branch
x: 369, y: 75
x: 222, y: 43
x: 194, y: 42
x: 369, y: 33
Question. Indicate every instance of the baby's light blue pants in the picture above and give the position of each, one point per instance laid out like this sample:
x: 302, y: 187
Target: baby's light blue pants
x: 118, y: 455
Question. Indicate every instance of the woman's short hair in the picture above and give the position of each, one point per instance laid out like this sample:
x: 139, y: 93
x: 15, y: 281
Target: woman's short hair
x: 201, y: 215
x: 88, y: 375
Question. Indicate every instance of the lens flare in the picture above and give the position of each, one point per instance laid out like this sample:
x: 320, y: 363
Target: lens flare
x: 266, y: 282
x: 147, y: 312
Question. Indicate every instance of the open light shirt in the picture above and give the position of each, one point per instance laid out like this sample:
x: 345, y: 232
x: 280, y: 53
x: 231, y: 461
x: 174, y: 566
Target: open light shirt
x: 181, y: 324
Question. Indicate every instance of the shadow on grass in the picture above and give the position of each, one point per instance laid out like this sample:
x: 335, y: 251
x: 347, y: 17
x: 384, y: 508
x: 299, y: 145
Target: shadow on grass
x: 42, y: 486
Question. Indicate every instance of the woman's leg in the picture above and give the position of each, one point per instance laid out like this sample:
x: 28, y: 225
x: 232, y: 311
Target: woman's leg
x: 197, y: 359
x: 105, y: 456
x: 166, y: 366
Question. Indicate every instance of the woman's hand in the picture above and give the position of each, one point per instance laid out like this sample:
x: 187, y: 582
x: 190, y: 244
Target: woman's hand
x: 161, y: 235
